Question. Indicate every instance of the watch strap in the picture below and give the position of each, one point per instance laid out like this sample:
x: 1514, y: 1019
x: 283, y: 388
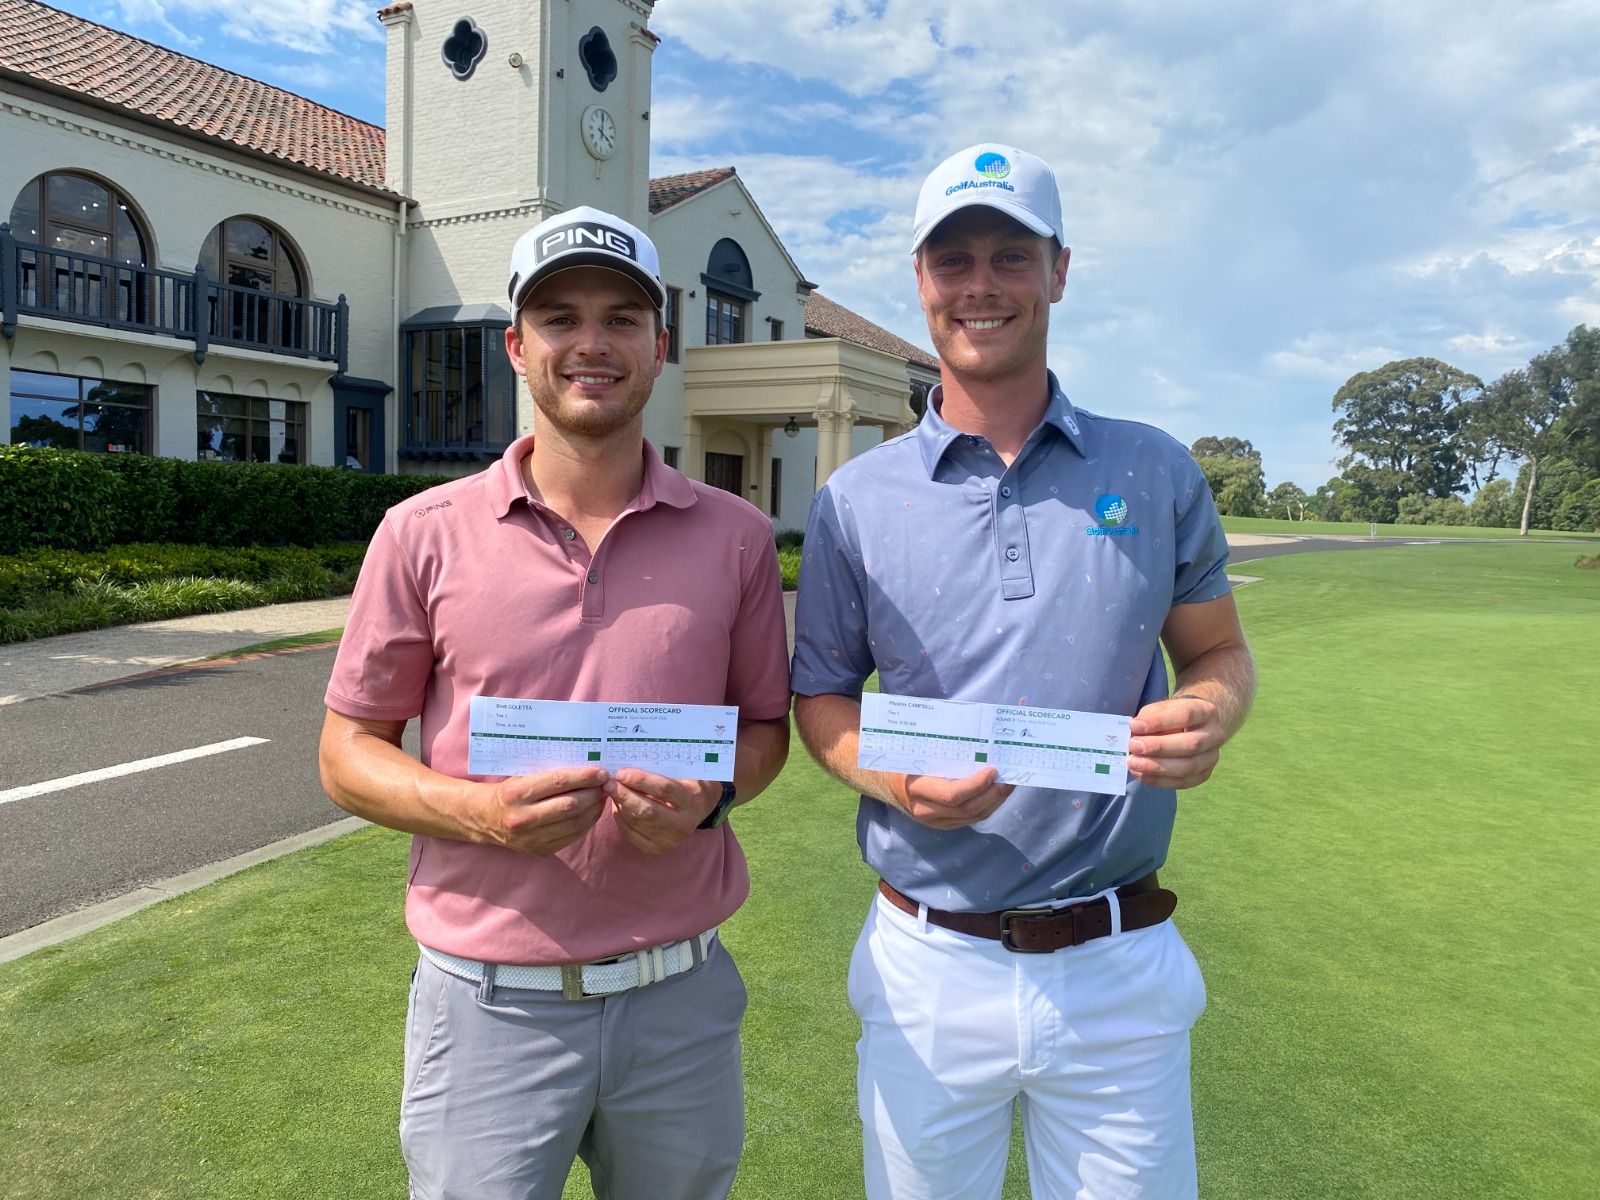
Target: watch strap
x: 719, y: 814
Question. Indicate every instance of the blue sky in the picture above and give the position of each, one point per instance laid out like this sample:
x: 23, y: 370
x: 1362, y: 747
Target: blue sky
x: 1262, y: 198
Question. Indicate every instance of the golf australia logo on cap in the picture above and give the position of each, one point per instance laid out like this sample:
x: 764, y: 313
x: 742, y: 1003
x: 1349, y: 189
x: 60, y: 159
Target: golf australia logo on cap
x: 1111, y: 511
x: 581, y: 235
x: 992, y: 165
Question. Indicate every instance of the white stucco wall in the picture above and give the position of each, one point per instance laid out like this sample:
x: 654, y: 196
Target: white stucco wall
x: 684, y: 236
x: 180, y: 190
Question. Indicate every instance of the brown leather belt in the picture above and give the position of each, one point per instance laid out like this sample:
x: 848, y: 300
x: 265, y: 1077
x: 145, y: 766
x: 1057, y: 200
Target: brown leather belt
x: 1042, y: 930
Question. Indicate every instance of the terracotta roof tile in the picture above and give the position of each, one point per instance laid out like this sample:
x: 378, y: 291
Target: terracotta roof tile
x: 827, y: 319
x: 403, y: 6
x: 151, y: 81
x: 675, y: 189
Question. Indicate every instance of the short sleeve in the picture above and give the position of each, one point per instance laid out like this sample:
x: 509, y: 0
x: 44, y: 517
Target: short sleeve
x: 757, y: 682
x: 831, y: 651
x: 386, y: 655
x: 1201, y: 554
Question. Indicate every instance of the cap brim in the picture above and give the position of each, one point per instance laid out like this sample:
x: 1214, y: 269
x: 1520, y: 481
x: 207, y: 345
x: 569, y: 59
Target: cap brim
x: 1015, y: 211
x: 591, y: 258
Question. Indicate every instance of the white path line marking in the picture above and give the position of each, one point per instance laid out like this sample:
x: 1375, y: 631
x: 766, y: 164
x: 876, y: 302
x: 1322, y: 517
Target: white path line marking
x: 128, y: 768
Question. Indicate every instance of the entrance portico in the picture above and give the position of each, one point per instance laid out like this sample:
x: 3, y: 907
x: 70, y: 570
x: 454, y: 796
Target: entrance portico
x: 738, y: 398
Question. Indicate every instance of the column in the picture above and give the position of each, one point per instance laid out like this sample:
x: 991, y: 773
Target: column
x: 827, y: 445
x: 844, y: 428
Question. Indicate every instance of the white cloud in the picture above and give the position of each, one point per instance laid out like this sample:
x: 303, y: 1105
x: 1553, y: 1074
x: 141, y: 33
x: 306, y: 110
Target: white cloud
x: 308, y: 26
x: 1262, y: 199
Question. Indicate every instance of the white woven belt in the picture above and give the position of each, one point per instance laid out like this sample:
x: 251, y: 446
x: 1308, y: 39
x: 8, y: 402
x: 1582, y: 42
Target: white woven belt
x: 579, y: 981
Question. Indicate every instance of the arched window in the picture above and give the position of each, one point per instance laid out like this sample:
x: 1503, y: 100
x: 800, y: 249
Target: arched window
x: 246, y: 253
x: 729, y: 290
x: 246, y: 258
x: 79, y: 215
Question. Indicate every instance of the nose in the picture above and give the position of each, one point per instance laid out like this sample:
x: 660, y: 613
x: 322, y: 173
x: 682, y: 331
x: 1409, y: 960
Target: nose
x: 593, y: 338
x: 982, y: 279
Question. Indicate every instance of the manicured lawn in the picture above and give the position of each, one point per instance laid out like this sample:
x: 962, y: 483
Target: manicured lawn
x: 1390, y: 885
x: 1363, y: 529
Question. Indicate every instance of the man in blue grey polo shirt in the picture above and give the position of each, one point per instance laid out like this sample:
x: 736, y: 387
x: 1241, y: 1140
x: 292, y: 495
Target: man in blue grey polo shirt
x: 1014, y: 549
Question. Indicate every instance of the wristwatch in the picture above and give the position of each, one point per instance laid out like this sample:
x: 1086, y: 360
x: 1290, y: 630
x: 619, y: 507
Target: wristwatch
x: 719, y: 814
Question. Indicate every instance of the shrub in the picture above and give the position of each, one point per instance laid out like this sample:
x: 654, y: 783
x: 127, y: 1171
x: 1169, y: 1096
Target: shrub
x: 55, y: 498
x: 1591, y: 563
x: 68, y: 500
x: 789, y: 566
x: 285, y: 573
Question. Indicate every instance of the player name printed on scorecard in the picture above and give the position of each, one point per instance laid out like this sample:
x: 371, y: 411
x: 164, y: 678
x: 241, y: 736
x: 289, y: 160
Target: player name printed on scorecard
x: 682, y: 741
x: 1036, y: 747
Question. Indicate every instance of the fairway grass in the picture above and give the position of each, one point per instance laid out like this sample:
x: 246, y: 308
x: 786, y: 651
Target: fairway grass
x: 1390, y: 885
x: 1274, y: 525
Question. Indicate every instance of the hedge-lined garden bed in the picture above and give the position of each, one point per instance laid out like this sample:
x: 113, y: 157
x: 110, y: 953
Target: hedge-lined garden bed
x: 46, y: 592
x: 91, y: 540
x: 68, y: 500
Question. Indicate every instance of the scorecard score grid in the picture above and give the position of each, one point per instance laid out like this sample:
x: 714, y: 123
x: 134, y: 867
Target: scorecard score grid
x: 519, y: 737
x: 1044, y: 747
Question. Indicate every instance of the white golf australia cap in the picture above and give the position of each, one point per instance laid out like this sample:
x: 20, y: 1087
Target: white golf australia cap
x: 1019, y: 184
x: 584, y: 237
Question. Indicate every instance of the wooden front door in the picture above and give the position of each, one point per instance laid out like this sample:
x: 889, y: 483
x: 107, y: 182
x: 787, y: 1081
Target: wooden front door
x: 726, y: 471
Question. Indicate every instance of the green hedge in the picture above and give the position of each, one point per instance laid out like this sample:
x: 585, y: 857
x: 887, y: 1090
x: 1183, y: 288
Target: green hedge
x: 68, y: 500
x: 34, y: 574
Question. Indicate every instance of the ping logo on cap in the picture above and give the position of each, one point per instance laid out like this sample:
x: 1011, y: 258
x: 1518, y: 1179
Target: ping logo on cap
x: 992, y: 165
x: 586, y: 233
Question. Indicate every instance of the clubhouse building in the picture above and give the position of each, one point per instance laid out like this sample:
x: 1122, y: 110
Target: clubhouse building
x: 199, y: 265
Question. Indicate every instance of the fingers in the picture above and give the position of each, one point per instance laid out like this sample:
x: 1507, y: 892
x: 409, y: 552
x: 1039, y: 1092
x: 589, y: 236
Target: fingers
x: 656, y: 821
x: 1166, y: 716
x: 954, y: 803
x: 1175, y: 760
x: 550, y: 823
x: 1174, y: 772
x: 544, y: 784
x: 677, y: 793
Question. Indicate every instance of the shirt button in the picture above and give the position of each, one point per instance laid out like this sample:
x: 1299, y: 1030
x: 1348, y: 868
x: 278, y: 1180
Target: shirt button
x: 1012, y: 553
x: 1005, y: 491
x: 569, y: 534
x: 594, y: 577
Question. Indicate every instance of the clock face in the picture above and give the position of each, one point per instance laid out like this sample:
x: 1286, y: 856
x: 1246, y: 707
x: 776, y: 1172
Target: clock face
x: 599, y: 131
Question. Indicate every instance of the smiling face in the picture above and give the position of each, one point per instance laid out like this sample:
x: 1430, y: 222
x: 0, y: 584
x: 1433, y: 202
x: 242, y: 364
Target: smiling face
x: 986, y: 284
x: 586, y: 341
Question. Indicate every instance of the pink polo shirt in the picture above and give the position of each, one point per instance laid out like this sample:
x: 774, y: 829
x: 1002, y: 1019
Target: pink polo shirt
x: 473, y: 588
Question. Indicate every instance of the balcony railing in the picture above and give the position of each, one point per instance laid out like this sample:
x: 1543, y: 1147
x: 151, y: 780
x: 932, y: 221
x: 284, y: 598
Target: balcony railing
x: 47, y: 282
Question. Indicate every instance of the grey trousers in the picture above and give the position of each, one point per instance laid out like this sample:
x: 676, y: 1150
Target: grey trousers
x: 504, y: 1088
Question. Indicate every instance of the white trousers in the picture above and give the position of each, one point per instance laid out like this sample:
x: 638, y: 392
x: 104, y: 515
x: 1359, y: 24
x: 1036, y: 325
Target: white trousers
x: 1093, y: 1041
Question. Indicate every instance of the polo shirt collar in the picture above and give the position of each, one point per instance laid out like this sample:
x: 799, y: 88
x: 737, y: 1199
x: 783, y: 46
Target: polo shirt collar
x: 504, y: 484
x: 935, y: 434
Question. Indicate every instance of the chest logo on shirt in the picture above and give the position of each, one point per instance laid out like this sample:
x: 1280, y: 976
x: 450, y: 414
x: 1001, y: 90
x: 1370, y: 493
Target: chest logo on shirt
x: 1111, y: 511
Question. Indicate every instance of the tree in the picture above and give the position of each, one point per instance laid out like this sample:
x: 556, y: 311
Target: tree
x: 1400, y: 423
x: 1493, y: 506
x: 1533, y: 413
x: 1226, y: 447
x: 1287, y: 500
x: 1232, y: 467
x: 1236, y: 485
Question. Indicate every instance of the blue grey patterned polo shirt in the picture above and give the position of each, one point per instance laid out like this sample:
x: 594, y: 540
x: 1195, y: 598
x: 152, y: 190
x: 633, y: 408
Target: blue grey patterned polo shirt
x: 1046, y: 583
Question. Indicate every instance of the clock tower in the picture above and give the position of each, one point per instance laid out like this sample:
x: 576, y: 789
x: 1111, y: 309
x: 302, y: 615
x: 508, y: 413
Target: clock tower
x: 504, y: 112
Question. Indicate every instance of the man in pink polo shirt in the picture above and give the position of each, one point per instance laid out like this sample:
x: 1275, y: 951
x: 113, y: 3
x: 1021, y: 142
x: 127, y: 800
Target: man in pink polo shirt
x: 572, y: 998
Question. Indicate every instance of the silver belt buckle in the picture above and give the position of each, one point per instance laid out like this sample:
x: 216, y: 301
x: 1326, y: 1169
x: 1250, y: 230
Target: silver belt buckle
x: 572, y: 982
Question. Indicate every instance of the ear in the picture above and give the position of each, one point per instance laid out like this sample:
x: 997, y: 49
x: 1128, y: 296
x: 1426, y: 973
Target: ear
x: 514, y: 344
x: 663, y: 341
x: 1058, y: 274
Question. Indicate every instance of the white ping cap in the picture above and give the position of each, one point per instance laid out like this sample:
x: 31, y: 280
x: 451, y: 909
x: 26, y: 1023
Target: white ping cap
x: 584, y: 237
x: 1019, y: 184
